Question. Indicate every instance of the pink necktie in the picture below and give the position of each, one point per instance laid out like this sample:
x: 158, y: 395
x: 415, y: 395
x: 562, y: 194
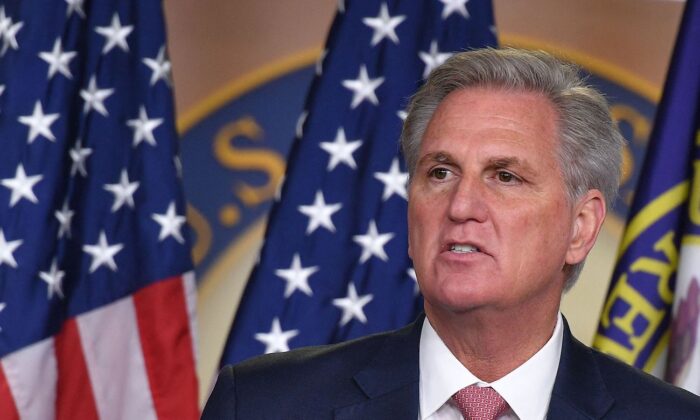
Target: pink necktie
x: 479, y: 403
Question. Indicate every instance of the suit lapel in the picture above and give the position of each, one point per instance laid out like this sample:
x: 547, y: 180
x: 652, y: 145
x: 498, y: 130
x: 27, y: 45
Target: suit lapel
x: 390, y: 379
x: 579, y: 390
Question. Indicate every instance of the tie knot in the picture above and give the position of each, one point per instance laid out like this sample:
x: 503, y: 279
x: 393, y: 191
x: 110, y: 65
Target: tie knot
x: 479, y: 403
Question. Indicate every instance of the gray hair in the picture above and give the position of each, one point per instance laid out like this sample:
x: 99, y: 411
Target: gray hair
x: 590, y: 152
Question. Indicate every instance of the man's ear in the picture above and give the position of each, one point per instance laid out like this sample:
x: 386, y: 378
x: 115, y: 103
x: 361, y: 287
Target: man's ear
x: 588, y: 219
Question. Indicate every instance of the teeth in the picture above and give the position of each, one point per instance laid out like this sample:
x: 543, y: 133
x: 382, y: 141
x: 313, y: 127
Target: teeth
x: 463, y: 249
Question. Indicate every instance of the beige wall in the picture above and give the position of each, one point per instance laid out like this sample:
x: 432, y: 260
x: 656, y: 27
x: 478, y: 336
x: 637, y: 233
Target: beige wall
x: 636, y: 35
x: 213, y: 42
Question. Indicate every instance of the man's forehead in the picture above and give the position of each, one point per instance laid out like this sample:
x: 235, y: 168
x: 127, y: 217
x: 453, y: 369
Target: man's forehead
x: 491, y: 116
x: 467, y: 100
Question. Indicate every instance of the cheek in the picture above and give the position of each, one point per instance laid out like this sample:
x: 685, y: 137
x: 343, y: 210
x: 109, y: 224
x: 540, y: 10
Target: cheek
x: 411, y: 227
x: 422, y: 226
x: 535, y: 225
x: 414, y: 227
x: 549, y: 231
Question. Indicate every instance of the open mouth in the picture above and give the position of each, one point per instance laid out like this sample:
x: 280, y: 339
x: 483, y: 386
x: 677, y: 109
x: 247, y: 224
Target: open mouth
x: 463, y: 248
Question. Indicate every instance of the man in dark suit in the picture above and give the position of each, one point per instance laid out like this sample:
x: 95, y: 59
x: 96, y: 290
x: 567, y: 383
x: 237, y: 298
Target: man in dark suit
x: 513, y: 162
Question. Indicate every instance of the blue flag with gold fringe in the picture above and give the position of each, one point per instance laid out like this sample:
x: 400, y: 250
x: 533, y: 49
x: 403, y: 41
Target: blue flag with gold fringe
x: 650, y: 317
x: 334, y: 265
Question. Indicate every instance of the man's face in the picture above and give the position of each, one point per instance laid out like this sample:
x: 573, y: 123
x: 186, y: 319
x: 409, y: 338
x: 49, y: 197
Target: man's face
x: 489, y: 220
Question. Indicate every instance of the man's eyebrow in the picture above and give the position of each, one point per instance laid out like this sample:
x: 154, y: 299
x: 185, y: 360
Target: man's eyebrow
x: 495, y: 162
x: 439, y: 157
x: 506, y: 162
x: 511, y: 162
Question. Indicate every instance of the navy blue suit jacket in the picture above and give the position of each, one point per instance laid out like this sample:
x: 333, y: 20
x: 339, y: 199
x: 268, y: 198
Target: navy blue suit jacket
x: 376, y: 377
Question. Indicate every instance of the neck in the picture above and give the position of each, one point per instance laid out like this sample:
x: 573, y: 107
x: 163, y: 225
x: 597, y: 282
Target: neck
x: 493, y: 342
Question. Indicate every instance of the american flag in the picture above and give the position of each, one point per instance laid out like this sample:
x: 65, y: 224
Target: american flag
x: 334, y: 265
x: 96, y: 303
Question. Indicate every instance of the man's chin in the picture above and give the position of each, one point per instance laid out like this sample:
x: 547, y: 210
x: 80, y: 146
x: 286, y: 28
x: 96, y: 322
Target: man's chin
x: 460, y: 303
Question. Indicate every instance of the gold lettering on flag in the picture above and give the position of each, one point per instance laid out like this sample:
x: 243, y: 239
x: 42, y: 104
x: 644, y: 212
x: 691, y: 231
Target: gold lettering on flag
x: 639, y: 306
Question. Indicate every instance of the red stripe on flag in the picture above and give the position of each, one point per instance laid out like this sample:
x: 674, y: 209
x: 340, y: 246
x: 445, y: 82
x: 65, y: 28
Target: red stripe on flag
x: 164, y: 329
x: 74, y: 399
x: 7, y: 402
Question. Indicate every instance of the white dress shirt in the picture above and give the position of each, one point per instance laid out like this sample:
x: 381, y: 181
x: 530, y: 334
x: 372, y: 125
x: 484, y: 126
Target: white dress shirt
x: 527, y: 389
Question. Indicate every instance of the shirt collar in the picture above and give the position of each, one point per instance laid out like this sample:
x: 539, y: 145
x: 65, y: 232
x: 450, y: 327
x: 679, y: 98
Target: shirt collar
x: 527, y: 389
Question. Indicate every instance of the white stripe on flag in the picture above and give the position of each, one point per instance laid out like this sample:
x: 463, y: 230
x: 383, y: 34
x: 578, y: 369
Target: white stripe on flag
x: 32, y: 375
x: 112, y: 348
x: 190, y: 286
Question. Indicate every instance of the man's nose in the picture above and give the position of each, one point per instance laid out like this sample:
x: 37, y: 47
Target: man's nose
x: 468, y: 201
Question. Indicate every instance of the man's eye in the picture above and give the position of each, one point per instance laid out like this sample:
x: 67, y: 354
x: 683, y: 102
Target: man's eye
x: 506, y: 177
x: 439, y: 173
